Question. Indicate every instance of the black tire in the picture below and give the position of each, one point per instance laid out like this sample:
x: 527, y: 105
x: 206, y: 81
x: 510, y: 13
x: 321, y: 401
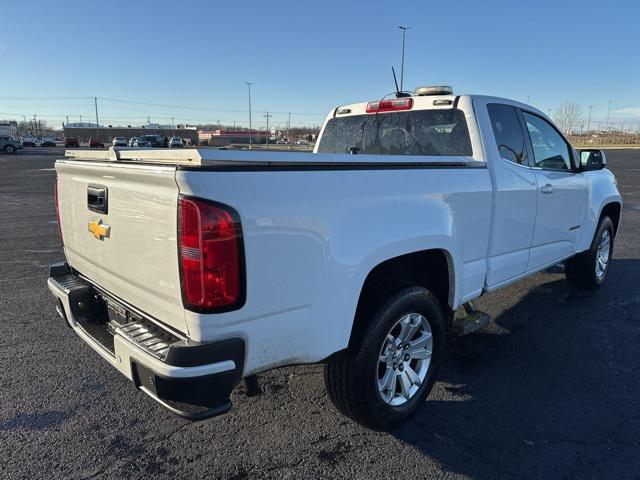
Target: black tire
x: 351, y: 378
x: 10, y: 149
x: 580, y: 271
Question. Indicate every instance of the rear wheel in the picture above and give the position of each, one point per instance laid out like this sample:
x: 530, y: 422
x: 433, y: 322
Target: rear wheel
x: 588, y: 270
x: 387, y: 374
x: 10, y: 149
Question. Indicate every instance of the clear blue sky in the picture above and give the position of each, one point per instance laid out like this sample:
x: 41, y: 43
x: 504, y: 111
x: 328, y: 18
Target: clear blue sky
x: 307, y: 57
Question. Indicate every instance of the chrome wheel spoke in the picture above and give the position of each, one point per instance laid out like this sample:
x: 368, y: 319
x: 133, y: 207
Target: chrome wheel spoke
x: 408, y: 327
x: 413, y: 376
x: 405, y: 385
x: 388, y: 380
x: 420, y: 343
x: 423, y: 354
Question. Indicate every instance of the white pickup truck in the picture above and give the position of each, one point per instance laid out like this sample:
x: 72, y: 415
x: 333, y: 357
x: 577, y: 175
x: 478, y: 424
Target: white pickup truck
x: 189, y: 270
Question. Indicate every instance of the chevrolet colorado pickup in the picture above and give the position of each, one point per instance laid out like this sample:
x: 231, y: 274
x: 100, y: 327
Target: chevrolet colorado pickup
x: 189, y: 270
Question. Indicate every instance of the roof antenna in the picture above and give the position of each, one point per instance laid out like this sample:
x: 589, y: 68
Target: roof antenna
x: 399, y: 93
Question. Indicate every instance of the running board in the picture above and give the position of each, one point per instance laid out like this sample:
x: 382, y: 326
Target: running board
x: 474, y: 320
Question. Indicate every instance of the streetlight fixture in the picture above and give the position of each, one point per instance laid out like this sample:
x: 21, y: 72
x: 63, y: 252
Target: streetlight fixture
x: 250, y: 127
x: 404, y: 33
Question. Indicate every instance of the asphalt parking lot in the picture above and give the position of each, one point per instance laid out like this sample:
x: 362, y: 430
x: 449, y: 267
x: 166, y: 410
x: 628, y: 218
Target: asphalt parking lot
x: 550, y: 389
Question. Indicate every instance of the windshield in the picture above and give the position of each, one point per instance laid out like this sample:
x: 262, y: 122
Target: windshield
x: 420, y: 132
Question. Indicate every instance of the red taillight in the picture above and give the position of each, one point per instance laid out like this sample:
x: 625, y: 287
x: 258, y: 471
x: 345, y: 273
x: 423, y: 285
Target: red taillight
x: 55, y: 201
x: 390, y: 105
x: 210, y: 251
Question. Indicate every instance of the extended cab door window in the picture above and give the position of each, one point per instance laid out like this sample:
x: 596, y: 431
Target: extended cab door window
x: 508, y: 133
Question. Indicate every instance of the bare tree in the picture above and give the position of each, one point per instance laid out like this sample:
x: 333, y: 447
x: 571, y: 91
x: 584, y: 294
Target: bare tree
x: 568, y: 117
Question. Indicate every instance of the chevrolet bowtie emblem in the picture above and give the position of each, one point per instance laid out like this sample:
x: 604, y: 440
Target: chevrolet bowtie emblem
x: 99, y: 230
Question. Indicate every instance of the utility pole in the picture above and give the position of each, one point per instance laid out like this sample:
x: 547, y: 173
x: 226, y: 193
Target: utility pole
x: 528, y: 97
x: 268, y: 116
x: 589, y: 119
x: 172, y: 122
x: 404, y: 33
x: 95, y: 102
x: 35, y: 124
x: 250, y: 127
x: 67, y: 120
x: 80, y: 118
x: 289, y: 128
x: 608, y: 112
x: 148, y: 120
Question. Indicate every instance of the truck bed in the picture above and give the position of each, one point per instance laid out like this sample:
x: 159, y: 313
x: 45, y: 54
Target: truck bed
x: 209, y: 157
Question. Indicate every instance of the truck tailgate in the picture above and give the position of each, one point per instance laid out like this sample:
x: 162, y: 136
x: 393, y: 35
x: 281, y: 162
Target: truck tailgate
x: 131, y: 252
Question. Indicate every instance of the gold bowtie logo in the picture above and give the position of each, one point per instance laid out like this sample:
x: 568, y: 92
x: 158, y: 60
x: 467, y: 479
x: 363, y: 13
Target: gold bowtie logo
x: 99, y: 230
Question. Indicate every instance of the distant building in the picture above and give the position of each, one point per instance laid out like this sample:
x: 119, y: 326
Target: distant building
x: 106, y: 133
x: 9, y: 127
x: 221, y: 138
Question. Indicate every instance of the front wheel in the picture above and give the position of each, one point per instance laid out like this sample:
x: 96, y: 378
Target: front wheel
x: 588, y: 270
x: 10, y: 149
x: 387, y: 374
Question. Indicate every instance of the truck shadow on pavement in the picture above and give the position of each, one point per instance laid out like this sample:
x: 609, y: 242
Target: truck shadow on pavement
x: 544, y: 390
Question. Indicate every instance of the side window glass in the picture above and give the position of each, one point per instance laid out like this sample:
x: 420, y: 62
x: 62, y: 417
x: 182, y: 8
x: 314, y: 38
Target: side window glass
x: 549, y: 148
x: 508, y: 133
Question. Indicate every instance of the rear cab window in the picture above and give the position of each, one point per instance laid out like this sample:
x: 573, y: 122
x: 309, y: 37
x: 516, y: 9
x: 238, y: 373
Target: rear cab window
x: 435, y: 132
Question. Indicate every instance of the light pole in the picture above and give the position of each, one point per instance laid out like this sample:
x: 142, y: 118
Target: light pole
x: 589, y: 119
x: 608, y: 112
x: 250, y: 127
x: 289, y: 127
x: 268, y: 116
x: 404, y: 33
x: 95, y: 102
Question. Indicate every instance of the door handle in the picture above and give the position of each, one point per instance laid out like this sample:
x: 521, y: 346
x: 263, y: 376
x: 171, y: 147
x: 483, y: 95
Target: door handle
x: 548, y: 188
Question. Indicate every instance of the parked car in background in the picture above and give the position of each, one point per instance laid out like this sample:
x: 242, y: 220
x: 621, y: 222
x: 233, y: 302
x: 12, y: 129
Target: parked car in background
x: 119, y: 142
x: 48, y: 141
x: 132, y: 141
x: 72, y: 142
x: 302, y: 141
x: 176, y: 142
x: 150, y: 141
x: 9, y: 144
x: 95, y: 143
x: 28, y: 141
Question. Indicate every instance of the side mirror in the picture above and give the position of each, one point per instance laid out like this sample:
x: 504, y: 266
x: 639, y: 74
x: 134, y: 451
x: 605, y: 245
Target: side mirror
x: 592, y: 160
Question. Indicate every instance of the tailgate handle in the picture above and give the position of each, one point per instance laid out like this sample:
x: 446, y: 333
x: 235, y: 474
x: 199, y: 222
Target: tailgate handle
x: 97, y: 198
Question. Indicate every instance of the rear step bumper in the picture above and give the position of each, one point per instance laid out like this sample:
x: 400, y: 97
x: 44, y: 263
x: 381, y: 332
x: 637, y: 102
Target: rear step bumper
x: 191, y: 379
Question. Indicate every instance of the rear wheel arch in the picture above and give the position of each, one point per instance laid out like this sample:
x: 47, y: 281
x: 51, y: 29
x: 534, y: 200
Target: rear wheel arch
x: 431, y: 269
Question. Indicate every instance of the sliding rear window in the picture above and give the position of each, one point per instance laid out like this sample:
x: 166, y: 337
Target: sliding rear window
x: 419, y: 132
